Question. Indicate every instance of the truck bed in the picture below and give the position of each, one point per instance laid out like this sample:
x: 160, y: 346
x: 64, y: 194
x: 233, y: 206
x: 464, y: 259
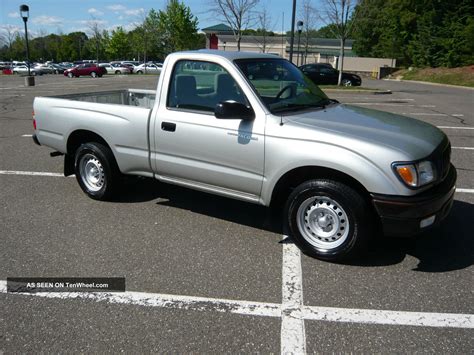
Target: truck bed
x: 120, y: 117
x: 129, y: 97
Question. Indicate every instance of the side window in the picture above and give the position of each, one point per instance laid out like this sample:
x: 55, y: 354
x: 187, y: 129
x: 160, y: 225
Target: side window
x: 310, y: 69
x: 198, y: 85
x: 326, y: 70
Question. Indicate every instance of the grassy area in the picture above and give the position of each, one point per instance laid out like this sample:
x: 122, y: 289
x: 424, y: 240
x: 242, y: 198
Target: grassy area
x: 463, y: 76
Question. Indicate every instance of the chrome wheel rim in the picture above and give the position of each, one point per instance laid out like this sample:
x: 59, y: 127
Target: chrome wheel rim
x: 323, y: 222
x: 93, y: 74
x: 347, y: 83
x: 92, y: 172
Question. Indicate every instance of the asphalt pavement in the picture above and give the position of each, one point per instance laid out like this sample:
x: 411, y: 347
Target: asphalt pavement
x: 209, y: 274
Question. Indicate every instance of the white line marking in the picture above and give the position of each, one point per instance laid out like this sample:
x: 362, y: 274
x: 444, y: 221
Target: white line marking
x: 464, y: 148
x: 31, y: 173
x: 432, y: 114
x: 466, y: 191
x: 427, y: 106
x: 331, y: 314
x: 379, y: 104
x: 367, y: 316
x: 166, y: 301
x: 27, y: 135
x: 293, y: 338
x: 450, y: 127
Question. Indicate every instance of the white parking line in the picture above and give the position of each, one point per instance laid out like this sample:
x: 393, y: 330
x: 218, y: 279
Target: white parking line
x: 451, y: 127
x: 380, y: 104
x: 330, y: 314
x: 27, y: 135
x: 424, y: 114
x: 367, y: 316
x: 31, y: 173
x: 165, y: 301
x: 463, y: 148
x: 293, y: 338
x: 465, y: 191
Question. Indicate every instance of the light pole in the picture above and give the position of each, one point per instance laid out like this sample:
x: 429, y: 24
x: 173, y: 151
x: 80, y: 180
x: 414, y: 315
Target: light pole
x: 25, y: 13
x: 292, y: 38
x: 299, y: 25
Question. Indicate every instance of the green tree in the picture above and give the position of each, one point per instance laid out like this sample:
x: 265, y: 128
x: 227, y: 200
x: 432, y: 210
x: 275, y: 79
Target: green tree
x: 177, y: 27
x: 118, y: 46
x: 420, y: 32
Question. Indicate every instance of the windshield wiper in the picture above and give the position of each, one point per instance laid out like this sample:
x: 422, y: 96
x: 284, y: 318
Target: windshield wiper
x: 296, y: 107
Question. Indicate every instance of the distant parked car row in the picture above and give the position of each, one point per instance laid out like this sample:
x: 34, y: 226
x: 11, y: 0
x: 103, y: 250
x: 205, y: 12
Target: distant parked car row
x: 84, y: 67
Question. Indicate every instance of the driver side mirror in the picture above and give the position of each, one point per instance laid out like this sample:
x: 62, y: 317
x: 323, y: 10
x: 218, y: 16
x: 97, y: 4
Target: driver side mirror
x: 233, y: 110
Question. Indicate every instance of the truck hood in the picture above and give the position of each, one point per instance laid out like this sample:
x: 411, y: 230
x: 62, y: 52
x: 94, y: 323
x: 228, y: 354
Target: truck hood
x: 414, y: 138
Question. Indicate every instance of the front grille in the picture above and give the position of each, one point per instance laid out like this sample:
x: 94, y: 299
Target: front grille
x: 444, y: 162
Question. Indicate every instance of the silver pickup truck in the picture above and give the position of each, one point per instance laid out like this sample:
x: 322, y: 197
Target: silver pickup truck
x: 253, y: 127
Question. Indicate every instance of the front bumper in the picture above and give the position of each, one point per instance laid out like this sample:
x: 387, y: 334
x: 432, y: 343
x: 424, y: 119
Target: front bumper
x: 401, y: 216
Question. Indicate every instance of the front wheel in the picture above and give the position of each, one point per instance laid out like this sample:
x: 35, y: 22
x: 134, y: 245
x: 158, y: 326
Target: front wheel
x: 70, y: 75
x: 328, y: 220
x: 139, y: 72
x: 117, y: 72
x: 346, y: 82
x: 94, y: 74
x: 96, y: 170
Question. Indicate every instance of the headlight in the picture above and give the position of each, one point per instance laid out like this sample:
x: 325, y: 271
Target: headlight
x: 416, y: 174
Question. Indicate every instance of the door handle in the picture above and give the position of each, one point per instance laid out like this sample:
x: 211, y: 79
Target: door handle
x: 168, y: 126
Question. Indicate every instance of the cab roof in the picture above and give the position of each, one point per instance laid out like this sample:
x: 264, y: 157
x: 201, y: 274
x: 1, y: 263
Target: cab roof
x: 229, y: 55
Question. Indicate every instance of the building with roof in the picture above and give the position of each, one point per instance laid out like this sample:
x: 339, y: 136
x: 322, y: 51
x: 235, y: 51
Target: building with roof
x: 316, y: 50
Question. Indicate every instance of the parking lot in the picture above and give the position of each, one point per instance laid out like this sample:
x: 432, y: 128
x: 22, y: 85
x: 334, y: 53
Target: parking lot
x: 209, y: 274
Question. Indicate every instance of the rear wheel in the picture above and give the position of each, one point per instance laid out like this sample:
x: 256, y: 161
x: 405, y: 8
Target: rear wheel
x: 328, y: 220
x: 96, y: 170
x: 139, y: 72
x: 117, y: 72
x: 94, y: 74
x: 346, y: 82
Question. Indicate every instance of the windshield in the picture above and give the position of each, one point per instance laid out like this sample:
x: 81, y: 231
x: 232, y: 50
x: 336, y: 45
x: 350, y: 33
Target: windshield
x: 281, y: 85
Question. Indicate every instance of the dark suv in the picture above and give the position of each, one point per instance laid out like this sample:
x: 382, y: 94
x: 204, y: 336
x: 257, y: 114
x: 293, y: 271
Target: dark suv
x: 324, y: 74
x: 85, y: 69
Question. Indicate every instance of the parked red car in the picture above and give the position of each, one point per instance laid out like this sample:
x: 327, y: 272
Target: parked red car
x: 85, y: 69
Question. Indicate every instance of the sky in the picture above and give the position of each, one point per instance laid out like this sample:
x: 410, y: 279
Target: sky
x: 64, y: 16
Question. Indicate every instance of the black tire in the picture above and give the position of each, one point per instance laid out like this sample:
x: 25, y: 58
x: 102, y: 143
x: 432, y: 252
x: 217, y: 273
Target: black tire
x: 90, y: 156
x: 347, y: 82
x: 328, y: 220
x: 139, y: 72
x: 117, y: 72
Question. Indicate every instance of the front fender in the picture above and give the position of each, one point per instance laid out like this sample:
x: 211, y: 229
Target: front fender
x: 283, y: 156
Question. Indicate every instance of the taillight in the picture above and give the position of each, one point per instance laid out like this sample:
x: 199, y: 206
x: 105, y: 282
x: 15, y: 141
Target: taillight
x: 34, y: 121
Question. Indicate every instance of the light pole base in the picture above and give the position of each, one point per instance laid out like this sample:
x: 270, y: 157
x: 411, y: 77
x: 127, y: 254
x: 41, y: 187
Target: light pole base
x: 29, y: 81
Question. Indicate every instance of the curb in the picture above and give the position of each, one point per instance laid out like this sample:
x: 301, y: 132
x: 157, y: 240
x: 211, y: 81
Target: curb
x: 430, y: 83
x: 368, y: 92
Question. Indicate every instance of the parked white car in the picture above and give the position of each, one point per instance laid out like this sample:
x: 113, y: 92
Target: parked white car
x: 114, y: 69
x: 150, y: 69
x: 23, y: 69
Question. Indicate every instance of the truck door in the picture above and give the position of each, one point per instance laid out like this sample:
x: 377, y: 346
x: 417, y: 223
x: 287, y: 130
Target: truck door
x: 192, y: 145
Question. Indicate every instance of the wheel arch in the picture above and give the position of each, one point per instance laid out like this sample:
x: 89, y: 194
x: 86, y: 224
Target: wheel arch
x: 297, y: 176
x: 74, y: 141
